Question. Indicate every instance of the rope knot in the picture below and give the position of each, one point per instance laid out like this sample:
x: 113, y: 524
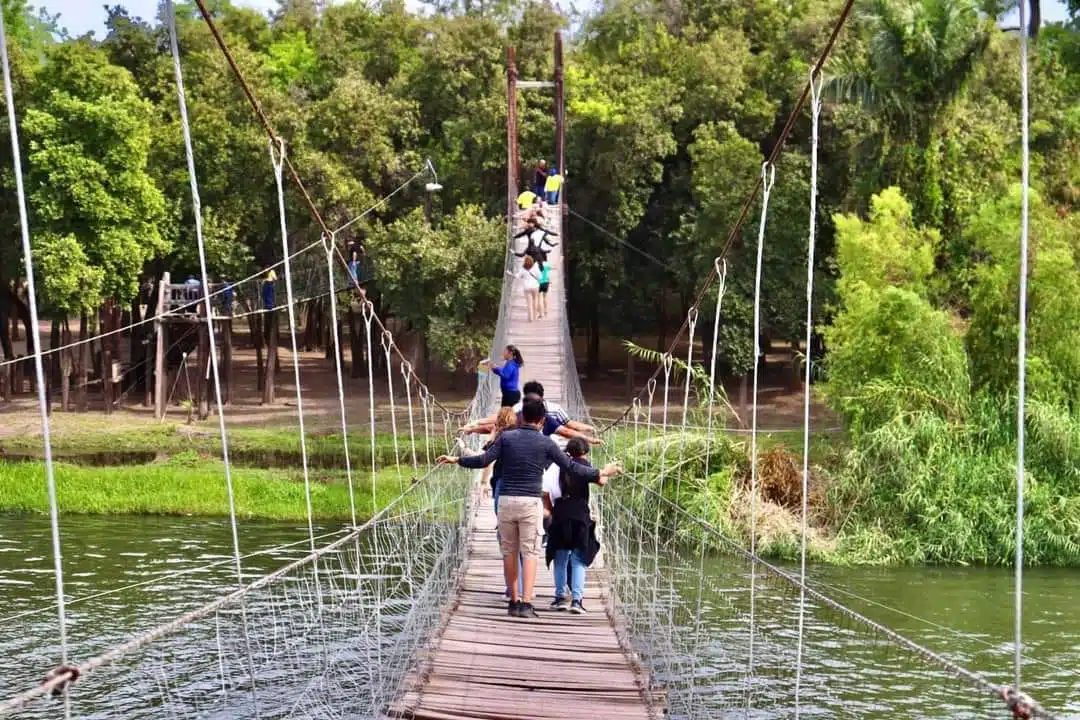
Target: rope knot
x: 63, y: 676
x: 691, y: 318
x: 387, y: 341
x: 1022, y: 706
x: 406, y: 369
x: 668, y: 361
x: 651, y: 388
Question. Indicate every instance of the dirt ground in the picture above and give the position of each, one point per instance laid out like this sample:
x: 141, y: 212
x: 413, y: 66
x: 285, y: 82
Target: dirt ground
x: 780, y: 405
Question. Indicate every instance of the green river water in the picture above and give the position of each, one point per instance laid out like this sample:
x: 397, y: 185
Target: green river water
x: 848, y: 671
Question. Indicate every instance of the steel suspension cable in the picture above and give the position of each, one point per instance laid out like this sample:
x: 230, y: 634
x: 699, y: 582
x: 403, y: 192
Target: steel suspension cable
x: 196, y: 207
x: 1021, y: 359
x: 39, y: 367
x: 277, y: 158
x: 768, y: 175
x: 815, y: 112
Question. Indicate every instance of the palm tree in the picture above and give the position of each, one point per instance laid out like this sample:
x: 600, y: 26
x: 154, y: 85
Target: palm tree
x: 920, y: 55
x: 918, y: 58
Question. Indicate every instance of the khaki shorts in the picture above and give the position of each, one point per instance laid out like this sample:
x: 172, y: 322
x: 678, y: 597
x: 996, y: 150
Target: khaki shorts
x: 520, y: 525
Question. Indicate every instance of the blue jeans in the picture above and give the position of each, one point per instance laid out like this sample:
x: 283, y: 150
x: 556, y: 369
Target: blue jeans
x: 521, y: 558
x: 571, y: 559
x: 552, y: 197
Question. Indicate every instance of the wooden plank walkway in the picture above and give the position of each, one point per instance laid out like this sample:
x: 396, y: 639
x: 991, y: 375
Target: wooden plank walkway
x: 485, y: 664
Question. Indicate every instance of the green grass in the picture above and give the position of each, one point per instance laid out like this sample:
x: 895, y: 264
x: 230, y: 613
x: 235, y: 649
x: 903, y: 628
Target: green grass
x: 256, y: 447
x: 189, y: 485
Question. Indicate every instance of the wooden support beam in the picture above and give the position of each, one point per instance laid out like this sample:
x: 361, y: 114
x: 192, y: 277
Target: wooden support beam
x: 160, y: 361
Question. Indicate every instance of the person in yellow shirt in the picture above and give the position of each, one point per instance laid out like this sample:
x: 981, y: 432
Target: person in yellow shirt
x: 527, y: 199
x: 552, y: 186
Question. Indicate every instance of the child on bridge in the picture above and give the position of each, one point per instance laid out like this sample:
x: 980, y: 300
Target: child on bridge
x: 572, y: 542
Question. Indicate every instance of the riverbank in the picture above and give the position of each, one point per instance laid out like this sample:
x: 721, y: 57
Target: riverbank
x: 175, y: 470
x: 186, y: 484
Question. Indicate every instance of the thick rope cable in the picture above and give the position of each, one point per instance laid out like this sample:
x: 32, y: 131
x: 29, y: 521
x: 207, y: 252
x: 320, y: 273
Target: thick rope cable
x: 768, y: 175
x: 367, y: 312
x: 335, y: 338
x: 705, y: 479
x: 1021, y: 352
x: 196, y: 207
x: 65, y: 676
x: 406, y: 371
x: 388, y: 346
x: 815, y: 112
x: 721, y: 272
x: 277, y: 158
x: 39, y: 366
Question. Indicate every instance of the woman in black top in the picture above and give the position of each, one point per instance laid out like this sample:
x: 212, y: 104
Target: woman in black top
x: 572, y: 542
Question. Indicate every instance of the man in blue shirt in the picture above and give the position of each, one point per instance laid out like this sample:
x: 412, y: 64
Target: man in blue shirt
x: 525, y: 453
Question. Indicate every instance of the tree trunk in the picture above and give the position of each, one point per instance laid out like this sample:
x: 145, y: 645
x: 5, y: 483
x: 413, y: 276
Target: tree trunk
x: 53, y: 378
x: 743, y: 394
x: 256, y: 331
x: 1035, y: 19
x: 82, y: 361
x: 356, y: 344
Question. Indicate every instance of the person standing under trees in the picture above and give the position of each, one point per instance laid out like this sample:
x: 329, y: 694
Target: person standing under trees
x: 572, y: 542
x: 509, y: 375
x: 525, y: 453
x: 540, y: 176
x: 552, y: 185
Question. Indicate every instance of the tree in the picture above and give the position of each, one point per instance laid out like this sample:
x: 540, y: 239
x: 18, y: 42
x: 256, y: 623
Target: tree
x: 890, y: 350
x: 445, y: 282
x: 919, y: 56
x: 88, y: 134
x: 1053, y: 339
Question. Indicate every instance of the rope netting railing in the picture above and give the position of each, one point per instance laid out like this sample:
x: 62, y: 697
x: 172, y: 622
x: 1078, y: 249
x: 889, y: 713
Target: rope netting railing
x: 326, y: 630
x: 708, y: 616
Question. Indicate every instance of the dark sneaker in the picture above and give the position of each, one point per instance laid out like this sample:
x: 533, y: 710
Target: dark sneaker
x: 560, y: 603
x: 526, y: 610
x: 512, y: 608
x: 577, y: 608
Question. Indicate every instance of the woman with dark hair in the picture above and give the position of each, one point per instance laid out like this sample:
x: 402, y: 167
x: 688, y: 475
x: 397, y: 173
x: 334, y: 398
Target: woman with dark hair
x: 572, y: 542
x: 509, y: 375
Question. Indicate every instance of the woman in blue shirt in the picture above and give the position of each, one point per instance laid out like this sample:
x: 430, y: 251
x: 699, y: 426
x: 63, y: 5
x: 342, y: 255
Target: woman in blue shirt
x: 509, y: 375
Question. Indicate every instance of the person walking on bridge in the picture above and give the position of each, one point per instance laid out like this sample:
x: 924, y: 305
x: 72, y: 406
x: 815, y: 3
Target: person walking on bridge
x: 525, y: 453
x: 540, y: 176
x: 509, y: 375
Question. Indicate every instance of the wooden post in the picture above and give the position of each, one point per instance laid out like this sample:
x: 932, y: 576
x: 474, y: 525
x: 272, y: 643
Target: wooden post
x: 743, y: 393
x: 227, y: 358
x: 271, y: 357
x: 560, y: 132
x: 65, y: 369
x: 255, y: 326
x: 106, y: 373
x: 202, y: 364
x: 160, y: 361
x: 512, y: 176
x: 82, y: 364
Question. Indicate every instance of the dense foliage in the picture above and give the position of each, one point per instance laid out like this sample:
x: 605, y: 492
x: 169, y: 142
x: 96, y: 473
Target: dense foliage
x: 671, y: 109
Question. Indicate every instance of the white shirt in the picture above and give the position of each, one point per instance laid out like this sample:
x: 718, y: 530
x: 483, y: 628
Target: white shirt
x: 551, y: 482
x: 530, y: 277
x: 552, y: 408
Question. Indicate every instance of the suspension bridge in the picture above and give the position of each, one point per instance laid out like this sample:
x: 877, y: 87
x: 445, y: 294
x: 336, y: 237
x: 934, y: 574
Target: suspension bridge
x: 401, y: 615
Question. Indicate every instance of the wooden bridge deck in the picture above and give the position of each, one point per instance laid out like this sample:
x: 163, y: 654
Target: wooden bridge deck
x: 485, y: 664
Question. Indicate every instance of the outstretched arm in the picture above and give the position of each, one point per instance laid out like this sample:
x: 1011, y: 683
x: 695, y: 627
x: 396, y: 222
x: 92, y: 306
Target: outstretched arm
x: 567, y: 432
x: 475, y: 462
